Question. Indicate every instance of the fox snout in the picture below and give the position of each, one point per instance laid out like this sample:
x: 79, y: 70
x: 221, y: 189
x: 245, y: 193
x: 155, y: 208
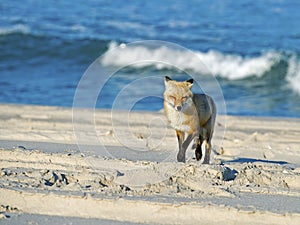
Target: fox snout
x: 178, y: 104
x: 178, y: 108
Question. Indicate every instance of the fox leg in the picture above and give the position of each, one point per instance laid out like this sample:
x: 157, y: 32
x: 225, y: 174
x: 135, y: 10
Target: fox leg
x: 207, y: 151
x: 198, y: 151
x: 209, y: 133
x: 187, y: 141
x: 181, y: 152
x: 185, y: 145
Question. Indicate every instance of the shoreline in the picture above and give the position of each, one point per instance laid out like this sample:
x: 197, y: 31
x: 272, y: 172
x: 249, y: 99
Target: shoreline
x: 3, y: 104
x: 255, y: 165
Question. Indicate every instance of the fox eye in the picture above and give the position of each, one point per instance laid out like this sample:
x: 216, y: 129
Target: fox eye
x: 173, y: 98
x: 184, y: 98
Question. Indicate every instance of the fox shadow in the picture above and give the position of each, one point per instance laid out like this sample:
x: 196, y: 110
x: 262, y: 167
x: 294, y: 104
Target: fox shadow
x: 252, y: 160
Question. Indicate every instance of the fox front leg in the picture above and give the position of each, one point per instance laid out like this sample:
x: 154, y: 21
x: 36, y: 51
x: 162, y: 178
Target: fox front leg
x: 181, y: 152
x: 187, y: 141
x: 183, y: 144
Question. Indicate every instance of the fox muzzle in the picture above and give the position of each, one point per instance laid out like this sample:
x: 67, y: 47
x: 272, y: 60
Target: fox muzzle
x: 178, y: 108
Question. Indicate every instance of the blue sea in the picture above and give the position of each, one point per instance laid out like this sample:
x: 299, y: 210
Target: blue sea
x: 251, y: 48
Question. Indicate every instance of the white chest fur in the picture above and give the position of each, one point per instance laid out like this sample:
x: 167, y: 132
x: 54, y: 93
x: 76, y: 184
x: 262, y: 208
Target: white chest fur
x: 178, y: 119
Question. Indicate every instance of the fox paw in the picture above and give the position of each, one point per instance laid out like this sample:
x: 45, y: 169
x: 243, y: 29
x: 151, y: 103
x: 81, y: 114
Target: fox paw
x: 181, y: 158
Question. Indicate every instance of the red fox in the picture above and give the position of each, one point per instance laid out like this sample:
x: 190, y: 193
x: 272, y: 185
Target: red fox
x: 191, y: 115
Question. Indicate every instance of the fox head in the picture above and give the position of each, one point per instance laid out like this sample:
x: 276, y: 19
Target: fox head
x: 178, y: 94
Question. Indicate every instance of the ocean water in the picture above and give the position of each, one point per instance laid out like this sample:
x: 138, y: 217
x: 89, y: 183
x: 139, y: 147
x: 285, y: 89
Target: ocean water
x: 252, y: 49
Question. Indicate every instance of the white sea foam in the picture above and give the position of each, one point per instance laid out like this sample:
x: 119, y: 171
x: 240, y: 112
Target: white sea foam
x: 293, y: 73
x: 228, y: 66
x: 237, y: 67
x: 126, y: 25
x: 78, y: 28
x: 18, y: 28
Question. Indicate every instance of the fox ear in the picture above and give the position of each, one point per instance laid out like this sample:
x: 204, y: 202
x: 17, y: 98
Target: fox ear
x: 167, y: 79
x: 190, y: 83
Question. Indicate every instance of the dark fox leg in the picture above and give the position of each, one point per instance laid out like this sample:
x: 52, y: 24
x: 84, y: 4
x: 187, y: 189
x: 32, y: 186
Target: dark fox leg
x: 183, y: 144
x: 198, y: 151
x: 207, y: 151
x: 187, y: 141
x: 210, y: 131
x: 181, y: 152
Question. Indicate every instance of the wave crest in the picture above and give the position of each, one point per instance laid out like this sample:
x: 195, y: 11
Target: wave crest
x: 18, y: 28
x: 293, y: 73
x: 228, y: 66
x: 237, y: 67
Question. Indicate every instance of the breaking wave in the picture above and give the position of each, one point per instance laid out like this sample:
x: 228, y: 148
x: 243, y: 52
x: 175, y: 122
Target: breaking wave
x: 227, y: 66
x: 293, y: 73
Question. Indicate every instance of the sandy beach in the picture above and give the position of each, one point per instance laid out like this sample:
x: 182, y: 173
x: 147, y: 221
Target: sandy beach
x: 55, y: 170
